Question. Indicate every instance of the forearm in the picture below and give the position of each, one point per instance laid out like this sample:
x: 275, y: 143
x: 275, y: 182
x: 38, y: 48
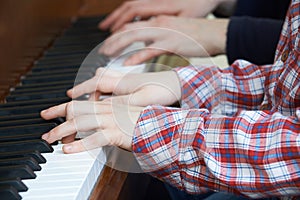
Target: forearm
x: 255, y: 153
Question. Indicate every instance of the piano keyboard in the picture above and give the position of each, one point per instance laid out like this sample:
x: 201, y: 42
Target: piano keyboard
x: 30, y: 168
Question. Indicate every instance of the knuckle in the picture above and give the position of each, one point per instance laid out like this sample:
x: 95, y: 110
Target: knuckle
x: 70, y: 109
x: 69, y: 106
x: 162, y: 19
x: 55, y: 133
x: 128, y: 4
x: 126, y: 27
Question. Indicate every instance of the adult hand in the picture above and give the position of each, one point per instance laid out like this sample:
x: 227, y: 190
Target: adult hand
x: 112, y: 124
x: 167, y: 34
x: 134, y: 89
x: 148, y: 8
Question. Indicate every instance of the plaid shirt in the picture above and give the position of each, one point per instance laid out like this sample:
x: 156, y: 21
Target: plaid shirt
x: 237, y: 129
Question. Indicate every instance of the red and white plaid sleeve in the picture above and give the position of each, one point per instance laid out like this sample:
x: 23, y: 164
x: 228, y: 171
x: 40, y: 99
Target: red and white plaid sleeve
x: 254, y: 153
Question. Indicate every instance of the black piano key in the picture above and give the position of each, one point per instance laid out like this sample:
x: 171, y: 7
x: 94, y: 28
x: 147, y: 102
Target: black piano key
x: 20, y: 154
x: 63, y: 43
x: 68, y: 62
x: 48, y: 68
x: 49, y: 101
x: 45, y: 85
x: 20, y: 137
x: 68, y: 72
x: 28, y: 145
x: 20, y: 117
x: 62, y: 71
x: 39, y: 67
x: 55, y: 78
x: 36, y: 95
x: 89, y: 46
x: 77, y: 40
x: 22, y: 122
x: 8, y: 192
x: 14, y: 182
x: 79, y: 31
x: 14, y: 171
x: 30, y: 162
x: 53, y: 61
x: 24, y: 90
x: 87, y: 21
x: 85, y: 46
x: 63, y: 57
x: 50, y: 60
x: 23, y: 109
x: 48, y: 78
x: 71, y: 52
x: 85, y: 29
x: 27, y: 129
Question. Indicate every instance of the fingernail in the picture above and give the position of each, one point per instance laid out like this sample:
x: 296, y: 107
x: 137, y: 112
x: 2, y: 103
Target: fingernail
x: 67, y: 148
x: 45, y: 136
x: 69, y: 91
x: 128, y: 62
x: 44, y: 111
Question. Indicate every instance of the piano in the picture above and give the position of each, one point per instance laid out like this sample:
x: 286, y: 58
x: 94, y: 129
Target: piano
x: 35, y: 74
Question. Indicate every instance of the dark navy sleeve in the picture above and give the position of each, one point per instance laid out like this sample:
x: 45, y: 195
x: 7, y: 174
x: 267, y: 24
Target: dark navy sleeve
x: 274, y: 9
x: 252, y: 39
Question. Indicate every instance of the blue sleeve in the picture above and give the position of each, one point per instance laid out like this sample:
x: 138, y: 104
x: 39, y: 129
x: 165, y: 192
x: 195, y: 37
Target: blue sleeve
x: 274, y: 9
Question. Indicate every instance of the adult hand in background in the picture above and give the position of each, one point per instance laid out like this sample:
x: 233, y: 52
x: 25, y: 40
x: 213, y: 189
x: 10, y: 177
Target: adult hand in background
x: 168, y: 34
x: 148, y: 8
x: 111, y: 124
x: 131, y: 89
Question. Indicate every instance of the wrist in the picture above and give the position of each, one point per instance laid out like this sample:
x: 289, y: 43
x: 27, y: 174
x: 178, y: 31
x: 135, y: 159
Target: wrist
x: 220, y: 38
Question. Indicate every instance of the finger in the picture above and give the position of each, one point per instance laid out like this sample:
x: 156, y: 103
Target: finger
x: 94, y: 96
x: 131, y: 13
x: 119, y: 42
x: 93, y: 141
x: 136, y: 99
x: 143, y: 55
x: 86, y: 87
x: 83, y: 123
x: 54, y: 112
x: 118, y: 99
x: 77, y: 108
x: 104, y: 81
x: 131, y: 32
x: 113, y: 17
x: 141, y: 9
x: 68, y: 139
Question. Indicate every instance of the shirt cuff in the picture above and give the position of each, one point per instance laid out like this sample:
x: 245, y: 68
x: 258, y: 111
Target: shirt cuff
x: 163, y: 144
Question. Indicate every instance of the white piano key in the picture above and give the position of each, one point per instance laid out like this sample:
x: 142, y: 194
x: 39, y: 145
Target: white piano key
x: 66, y: 176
